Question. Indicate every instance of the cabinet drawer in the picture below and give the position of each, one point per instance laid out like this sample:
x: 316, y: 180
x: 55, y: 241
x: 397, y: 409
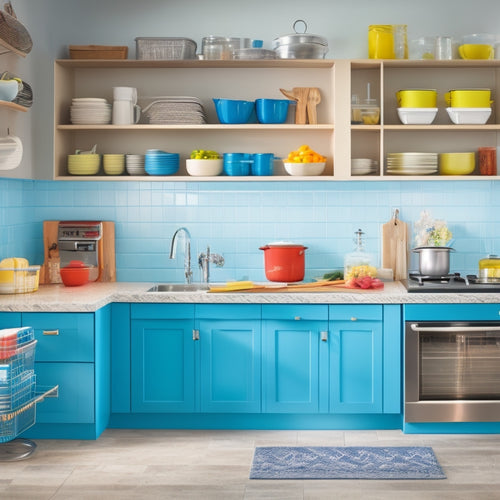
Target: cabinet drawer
x: 371, y: 312
x: 227, y: 311
x: 161, y: 311
x: 10, y: 320
x: 62, y: 336
x: 75, y: 401
x: 295, y: 312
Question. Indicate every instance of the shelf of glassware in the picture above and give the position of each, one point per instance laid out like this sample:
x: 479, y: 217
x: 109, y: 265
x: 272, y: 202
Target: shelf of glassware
x: 386, y: 77
x: 205, y: 80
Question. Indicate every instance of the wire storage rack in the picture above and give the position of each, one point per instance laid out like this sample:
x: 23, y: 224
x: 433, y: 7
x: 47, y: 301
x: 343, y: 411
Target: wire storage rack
x: 19, y: 394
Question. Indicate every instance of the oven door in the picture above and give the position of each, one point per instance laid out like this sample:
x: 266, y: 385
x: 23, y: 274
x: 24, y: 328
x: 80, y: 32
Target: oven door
x: 452, y: 372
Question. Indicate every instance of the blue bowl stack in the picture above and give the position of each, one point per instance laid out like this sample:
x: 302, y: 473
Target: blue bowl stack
x: 158, y: 162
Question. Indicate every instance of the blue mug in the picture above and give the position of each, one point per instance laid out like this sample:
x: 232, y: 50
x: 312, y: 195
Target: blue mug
x: 263, y: 164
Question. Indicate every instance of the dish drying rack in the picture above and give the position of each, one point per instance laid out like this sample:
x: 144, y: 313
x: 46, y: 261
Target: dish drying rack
x: 19, y: 394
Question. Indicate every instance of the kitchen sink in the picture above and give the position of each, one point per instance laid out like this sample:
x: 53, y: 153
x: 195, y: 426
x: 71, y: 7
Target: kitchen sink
x: 179, y: 287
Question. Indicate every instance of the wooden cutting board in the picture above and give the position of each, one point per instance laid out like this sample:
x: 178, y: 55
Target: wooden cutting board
x: 395, y: 247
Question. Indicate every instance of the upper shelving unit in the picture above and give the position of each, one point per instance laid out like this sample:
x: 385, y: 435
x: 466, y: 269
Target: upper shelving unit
x: 334, y: 136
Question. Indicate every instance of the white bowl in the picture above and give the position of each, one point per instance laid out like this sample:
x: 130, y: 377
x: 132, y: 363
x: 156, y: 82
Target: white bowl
x: 469, y: 116
x: 305, y: 169
x: 417, y: 116
x: 204, y: 168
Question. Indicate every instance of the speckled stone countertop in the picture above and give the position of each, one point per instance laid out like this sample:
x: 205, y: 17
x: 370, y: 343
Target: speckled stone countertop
x: 91, y: 297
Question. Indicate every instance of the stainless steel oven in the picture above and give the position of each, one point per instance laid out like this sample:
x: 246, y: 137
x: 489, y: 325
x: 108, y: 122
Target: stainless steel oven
x: 452, y: 371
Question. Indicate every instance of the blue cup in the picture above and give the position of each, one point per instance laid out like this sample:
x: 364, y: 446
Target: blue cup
x: 263, y: 164
x: 237, y: 164
x: 272, y: 110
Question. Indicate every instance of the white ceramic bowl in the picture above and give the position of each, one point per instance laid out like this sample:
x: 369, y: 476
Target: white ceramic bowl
x: 469, y: 116
x: 417, y: 116
x: 305, y: 169
x: 204, y: 168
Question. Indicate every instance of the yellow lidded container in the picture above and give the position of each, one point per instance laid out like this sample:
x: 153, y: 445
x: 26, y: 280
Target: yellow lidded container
x: 489, y: 267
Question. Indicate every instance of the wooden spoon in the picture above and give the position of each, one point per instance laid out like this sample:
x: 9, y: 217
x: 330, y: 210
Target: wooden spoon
x: 298, y: 94
x: 313, y: 99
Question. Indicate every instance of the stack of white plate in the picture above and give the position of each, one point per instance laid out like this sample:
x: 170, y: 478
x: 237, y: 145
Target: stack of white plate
x: 90, y: 111
x: 176, y: 110
x: 363, y: 166
x: 135, y: 164
x: 412, y: 163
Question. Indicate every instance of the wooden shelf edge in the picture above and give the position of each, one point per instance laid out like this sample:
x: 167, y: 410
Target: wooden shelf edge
x: 13, y: 105
x: 207, y: 126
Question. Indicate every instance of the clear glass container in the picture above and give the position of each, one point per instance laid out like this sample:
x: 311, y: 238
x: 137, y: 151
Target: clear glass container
x: 359, y: 257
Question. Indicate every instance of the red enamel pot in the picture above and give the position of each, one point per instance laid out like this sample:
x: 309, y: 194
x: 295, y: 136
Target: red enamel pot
x: 284, y: 262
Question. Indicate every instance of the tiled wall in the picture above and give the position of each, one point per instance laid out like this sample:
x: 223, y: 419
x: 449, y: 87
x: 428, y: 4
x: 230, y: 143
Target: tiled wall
x: 236, y: 218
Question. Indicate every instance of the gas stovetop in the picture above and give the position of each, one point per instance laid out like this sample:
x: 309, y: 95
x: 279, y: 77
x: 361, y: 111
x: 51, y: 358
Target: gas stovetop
x: 450, y: 283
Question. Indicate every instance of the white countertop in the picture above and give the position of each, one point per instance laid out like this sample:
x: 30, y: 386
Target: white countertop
x: 92, y: 296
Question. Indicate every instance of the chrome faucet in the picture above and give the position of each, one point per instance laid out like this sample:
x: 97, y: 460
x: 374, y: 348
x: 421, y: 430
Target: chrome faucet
x: 187, y: 251
x: 204, y: 260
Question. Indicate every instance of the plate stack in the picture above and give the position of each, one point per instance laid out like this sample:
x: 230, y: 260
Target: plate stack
x: 90, y: 111
x: 135, y: 164
x: 176, y: 110
x: 363, y: 166
x: 159, y: 162
x: 412, y: 163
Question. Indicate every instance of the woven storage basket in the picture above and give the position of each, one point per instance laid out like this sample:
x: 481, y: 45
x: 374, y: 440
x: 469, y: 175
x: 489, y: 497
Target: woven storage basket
x: 13, y: 34
x: 98, y: 52
x: 158, y: 48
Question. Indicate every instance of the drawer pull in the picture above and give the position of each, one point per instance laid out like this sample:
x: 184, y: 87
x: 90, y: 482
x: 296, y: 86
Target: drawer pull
x: 324, y: 336
x: 196, y: 334
x: 353, y: 318
x: 297, y: 318
x: 51, y: 332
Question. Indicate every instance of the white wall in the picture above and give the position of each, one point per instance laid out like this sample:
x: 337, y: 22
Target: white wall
x: 54, y: 24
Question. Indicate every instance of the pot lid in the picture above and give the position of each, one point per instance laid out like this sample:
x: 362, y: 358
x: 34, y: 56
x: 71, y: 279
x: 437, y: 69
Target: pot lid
x: 298, y: 38
x: 284, y: 244
x: 445, y: 249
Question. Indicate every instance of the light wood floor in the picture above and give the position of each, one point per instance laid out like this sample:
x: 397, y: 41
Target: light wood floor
x: 172, y: 464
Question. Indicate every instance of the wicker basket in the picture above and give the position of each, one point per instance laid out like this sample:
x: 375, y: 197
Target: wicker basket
x: 98, y: 52
x: 158, y: 48
x: 13, y: 35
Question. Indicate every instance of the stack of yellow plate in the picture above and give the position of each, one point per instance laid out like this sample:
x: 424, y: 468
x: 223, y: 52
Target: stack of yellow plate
x: 84, y: 164
x: 114, y: 164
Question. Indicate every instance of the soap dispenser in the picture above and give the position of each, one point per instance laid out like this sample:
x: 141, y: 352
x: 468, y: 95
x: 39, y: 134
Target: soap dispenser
x: 356, y: 258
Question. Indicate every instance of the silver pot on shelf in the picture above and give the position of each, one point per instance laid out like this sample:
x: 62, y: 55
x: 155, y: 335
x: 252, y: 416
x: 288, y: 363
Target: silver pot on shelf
x: 433, y: 261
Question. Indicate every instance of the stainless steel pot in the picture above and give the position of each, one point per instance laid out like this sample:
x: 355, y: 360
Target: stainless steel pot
x: 300, y: 45
x: 433, y: 261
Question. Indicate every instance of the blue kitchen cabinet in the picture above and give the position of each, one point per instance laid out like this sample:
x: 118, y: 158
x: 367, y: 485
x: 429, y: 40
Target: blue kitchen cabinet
x: 356, y: 358
x: 295, y: 358
x: 73, y: 351
x: 162, y: 358
x: 230, y: 357
x: 10, y: 320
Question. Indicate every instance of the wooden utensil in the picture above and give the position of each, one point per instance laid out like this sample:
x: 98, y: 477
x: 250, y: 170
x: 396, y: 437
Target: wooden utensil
x: 299, y: 94
x: 395, y: 247
x: 313, y: 99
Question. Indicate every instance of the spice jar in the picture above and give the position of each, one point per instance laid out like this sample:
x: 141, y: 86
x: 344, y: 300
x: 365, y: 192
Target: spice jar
x: 487, y: 161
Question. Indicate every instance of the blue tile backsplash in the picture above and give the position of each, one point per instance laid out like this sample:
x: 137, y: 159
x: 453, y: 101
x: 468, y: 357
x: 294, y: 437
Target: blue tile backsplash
x: 235, y: 219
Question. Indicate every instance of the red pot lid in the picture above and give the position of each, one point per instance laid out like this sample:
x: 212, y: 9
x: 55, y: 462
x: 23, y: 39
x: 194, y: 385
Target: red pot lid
x: 283, y: 244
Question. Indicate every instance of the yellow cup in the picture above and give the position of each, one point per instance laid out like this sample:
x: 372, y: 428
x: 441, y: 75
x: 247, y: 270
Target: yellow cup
x: 476, y: 51
x: 417, y: 98
x: 468, y: 98
x: 381, y: 41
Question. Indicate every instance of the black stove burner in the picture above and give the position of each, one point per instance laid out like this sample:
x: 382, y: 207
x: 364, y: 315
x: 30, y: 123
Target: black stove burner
x: 449, y: 283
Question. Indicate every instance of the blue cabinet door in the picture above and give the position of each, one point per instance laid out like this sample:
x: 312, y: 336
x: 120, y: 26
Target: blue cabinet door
x: 356, y: 360
x: 162, y: 365
x: 292, y: 366
x: 230, y: 351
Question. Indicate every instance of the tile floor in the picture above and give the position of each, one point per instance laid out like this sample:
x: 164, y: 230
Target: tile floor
x: 182, y: 464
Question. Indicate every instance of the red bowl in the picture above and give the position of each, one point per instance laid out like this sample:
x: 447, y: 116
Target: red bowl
x: 74, y: 276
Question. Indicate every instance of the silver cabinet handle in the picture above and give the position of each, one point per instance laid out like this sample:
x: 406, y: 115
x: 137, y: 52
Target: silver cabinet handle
x: 50, y: 332
x: 353, y: 318
x: 324, y: 336
x: 297, y: 318
x: 196, y: 334
x: 454, y: 329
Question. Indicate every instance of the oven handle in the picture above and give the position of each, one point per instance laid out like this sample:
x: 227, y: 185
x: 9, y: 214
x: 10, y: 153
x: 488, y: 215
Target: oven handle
x: 453, y: 329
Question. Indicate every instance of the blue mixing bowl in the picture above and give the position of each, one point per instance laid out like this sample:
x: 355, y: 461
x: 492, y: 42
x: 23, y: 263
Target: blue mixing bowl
x: 272, y: 110
x: 230, y: 111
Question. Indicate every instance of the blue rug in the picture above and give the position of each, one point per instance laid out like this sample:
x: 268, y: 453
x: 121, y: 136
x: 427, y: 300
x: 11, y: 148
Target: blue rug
x: 357, y: 462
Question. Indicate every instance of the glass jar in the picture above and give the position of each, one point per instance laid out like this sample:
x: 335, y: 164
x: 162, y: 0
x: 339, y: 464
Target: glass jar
x: 355, y: 260
x: 489, y: 267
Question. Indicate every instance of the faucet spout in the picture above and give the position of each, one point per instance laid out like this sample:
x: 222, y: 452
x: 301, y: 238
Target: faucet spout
x: 188, y: 273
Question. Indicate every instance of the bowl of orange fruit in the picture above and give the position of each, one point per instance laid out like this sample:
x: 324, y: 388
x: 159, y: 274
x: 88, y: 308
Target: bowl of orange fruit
x: 304, y: 162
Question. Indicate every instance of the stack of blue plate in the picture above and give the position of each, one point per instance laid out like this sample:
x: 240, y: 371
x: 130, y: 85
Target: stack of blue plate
x: 159, y: 162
